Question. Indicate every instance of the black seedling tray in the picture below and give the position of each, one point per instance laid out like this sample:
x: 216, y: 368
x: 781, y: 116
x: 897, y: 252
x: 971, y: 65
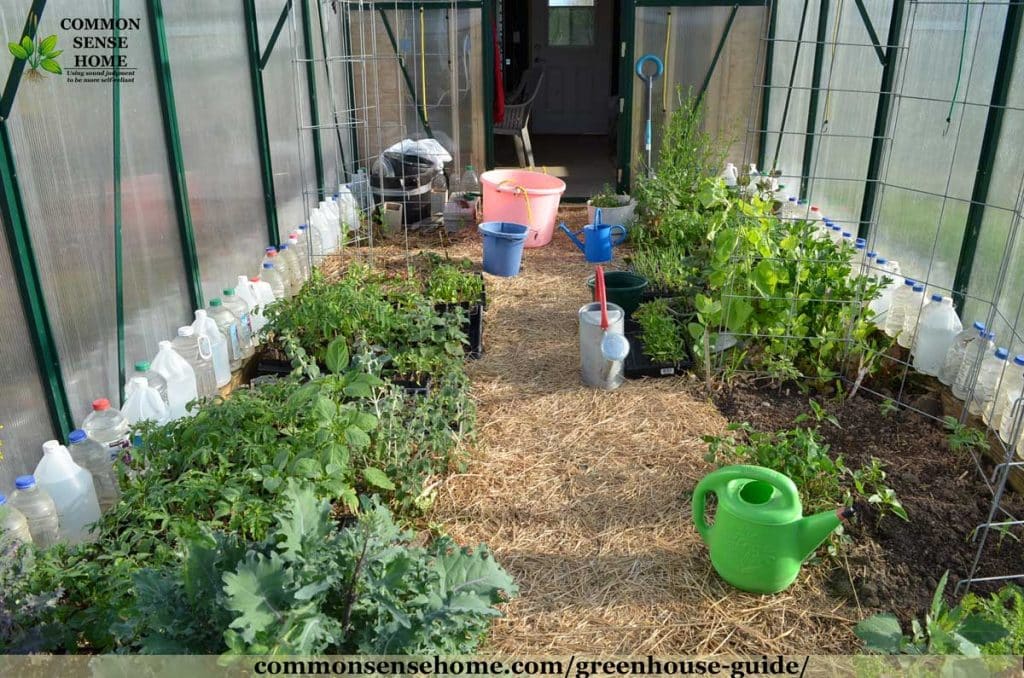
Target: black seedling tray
x: 473, y: 327
x: 639, y: 365
x: 413, y: 388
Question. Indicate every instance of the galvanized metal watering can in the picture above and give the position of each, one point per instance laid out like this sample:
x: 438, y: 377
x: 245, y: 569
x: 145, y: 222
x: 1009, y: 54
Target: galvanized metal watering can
x: 759, y: 537
x: 597, y: 239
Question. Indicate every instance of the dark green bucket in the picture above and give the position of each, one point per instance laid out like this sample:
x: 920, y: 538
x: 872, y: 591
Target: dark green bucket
x: 624, y: 289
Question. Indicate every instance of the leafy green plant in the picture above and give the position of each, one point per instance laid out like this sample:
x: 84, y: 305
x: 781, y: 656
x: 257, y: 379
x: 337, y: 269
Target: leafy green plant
x: 963, y: 438
x: 310, y: 588
x: 450, y: 284
x: 607, y: 197
x: 823, y: 480
x: 945, y: 630
x: 41, y: 53
x: 818, y: 414
x: 888, y: 407
x: 1005, y: 608
x: 662, y: 333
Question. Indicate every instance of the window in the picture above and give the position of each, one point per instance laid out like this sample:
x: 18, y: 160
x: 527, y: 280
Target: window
x: 570, y: 23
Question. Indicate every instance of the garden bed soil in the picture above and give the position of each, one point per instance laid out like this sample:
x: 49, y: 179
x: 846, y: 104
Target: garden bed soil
x: 894, y: 564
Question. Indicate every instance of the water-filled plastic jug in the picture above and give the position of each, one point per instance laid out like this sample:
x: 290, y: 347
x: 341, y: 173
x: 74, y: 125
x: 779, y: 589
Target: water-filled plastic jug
x: 1012, y: 412
x: 291, y: 262
x: 72, y: 490
x: 1013, y: 382
x: 196, y: 349
x: 93, y: 457
x: 911, y: 315
x: 205, y: 326
x: 729, y: 175
x: 258, y: 295
x: 39, y: 510
x: 182, y: 387
x: 989, y: 376
x: 936, y: 331
x: 348, y: 211
x: 155, y: 379
x: 144, y: 404
x: 106, y: 425
x: 239, y: 306
x: 300, y: 249
x: 231, y: 327
x: 955, y: 355
x: 13, y: 525
x: 969, y: 370
x: 288, y: 280
x: 897, y: 315
x: 274, y: 279
x: 880, y: 305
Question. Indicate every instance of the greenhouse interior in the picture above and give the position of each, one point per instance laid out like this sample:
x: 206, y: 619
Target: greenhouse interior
x: 517, y: 329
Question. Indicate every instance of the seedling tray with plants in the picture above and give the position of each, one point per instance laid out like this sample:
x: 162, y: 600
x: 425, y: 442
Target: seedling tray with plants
x: 639, y: 365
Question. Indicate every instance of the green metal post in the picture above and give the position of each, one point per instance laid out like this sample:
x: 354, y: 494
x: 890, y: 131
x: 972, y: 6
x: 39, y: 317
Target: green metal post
x: 718, y: 53
x: 487, y: 20
x: 314, y: 103
x: 262, y: 128
x: 19, y: 242
x: 812, y: 109
x: 766, y: 87
x: 626, y: 77
x: 275, y: 34
x: 989, y: 148
x: 118, y: 235
x: 175, y: 156
x: 885, y: 97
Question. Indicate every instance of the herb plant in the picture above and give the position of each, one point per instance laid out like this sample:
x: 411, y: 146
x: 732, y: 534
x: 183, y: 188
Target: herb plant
x: 41, y: 53
x: 607, y: 197
x: 662, y: 334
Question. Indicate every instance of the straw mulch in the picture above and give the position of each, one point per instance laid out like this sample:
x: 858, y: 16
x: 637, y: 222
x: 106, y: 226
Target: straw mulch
x: 584, y: 495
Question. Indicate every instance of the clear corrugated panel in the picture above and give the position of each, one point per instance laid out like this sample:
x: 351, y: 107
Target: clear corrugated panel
x: 156, y: 297
x: 279, y: 84
x: 996, y: 235
x: 61, y: 133
x: 787, y: 111
x: 932, y: 166
x: 729, y: 110
x: 23, y: 409
x: 334, y: 93
x: 851, y: 75
x: 210, y: 67
x: 468, y: 80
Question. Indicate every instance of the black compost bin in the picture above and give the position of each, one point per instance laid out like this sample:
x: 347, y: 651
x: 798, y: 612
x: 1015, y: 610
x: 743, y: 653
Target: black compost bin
x: 410, y: 185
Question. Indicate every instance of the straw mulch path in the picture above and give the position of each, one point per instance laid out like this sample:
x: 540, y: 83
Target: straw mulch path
x: 584, y: 495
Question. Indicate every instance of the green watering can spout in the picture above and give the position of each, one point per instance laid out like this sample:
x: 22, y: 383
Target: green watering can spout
x: 759, y: 536
x: 813, y: 530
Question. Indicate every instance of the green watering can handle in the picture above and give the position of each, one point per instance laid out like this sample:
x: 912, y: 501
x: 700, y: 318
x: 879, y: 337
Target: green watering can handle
x: 716, y: 480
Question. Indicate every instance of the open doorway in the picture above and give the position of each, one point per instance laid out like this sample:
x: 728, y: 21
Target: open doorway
x: 574, y: 116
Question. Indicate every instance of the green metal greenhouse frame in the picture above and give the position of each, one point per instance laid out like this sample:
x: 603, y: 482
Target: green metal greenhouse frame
x: 17, y: 228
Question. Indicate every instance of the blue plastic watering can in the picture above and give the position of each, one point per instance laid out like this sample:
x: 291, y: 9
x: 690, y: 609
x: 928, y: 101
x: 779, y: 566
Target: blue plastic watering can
x: 597, y: 239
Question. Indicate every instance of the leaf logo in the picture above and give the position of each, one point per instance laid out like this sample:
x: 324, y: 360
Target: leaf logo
x: 42, y: 54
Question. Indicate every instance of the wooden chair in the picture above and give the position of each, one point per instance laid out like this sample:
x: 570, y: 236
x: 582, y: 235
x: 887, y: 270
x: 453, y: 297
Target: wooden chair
x: 517, y: 113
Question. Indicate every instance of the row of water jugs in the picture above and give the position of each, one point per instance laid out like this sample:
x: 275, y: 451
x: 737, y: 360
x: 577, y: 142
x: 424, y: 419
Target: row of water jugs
x: 928, y: 326
x: 73, y: 485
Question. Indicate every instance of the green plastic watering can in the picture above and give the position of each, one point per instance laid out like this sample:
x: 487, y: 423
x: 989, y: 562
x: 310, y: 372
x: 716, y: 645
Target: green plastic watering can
x: 759, y: 537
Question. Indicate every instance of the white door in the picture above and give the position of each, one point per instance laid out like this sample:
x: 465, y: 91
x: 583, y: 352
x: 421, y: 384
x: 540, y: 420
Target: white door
x: 572, y: 38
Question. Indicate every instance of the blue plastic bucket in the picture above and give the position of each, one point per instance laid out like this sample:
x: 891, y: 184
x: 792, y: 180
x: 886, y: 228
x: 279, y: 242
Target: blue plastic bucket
x: 503, y: 247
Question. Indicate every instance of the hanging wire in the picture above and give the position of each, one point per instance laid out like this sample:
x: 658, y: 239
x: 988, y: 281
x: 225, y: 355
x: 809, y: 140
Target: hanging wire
x: 827, y: 113
x: 960, y: 67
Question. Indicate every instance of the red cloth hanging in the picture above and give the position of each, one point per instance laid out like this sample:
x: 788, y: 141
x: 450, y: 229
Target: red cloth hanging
x: 499, y: 79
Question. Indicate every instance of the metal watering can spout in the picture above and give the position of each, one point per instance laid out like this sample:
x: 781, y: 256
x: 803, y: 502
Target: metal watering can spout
x: 576, y: 241
x: 813, y: 530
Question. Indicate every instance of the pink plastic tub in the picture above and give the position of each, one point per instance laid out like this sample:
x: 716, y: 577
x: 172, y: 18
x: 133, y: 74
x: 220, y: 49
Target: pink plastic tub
x: 523, y: 197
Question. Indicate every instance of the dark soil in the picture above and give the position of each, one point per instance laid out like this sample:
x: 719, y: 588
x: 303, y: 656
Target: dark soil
x: 897, y: 565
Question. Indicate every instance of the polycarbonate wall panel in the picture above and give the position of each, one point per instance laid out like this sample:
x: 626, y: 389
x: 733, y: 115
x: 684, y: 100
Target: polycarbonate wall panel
x: 997, y: 228
x: 210, y: 68
x: 23, y: 412
x: 787, y: 123
x: 850, y: 77
x: 931, y: 170
x: 62, y: 143
x: 284, y: 91
x: 156, y: 297
x: 732, y: 100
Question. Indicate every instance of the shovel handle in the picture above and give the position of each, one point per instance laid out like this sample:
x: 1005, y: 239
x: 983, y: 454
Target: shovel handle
x: 602, y: 295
